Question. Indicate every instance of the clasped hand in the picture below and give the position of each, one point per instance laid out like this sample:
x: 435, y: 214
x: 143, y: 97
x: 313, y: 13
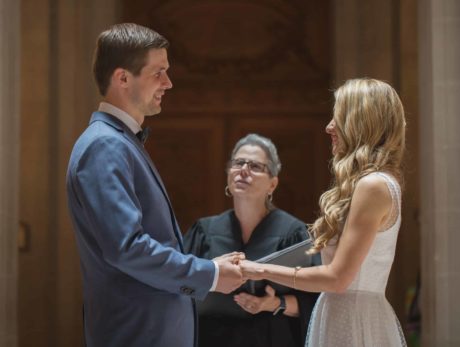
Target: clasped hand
x: 230, y: 275
x: 234, y: 270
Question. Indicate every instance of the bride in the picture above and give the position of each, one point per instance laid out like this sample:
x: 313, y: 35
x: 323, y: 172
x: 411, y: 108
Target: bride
x: 358, y: 226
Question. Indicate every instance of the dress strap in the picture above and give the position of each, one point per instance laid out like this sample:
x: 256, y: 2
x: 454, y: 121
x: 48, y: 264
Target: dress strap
x: 395, y: 191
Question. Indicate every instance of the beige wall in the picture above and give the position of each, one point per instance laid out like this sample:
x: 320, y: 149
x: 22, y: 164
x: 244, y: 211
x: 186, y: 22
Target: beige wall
x: 9, y: 167
x: 36, y: 206
x: 57, y: 97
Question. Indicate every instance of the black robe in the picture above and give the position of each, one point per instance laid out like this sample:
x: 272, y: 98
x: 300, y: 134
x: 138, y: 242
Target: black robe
x: 222, y: 322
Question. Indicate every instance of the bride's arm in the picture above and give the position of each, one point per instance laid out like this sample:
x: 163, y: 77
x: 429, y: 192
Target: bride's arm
x: 370, y: 205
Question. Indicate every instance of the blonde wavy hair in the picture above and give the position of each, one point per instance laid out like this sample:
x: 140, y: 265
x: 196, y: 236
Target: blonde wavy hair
x: 370, y: 124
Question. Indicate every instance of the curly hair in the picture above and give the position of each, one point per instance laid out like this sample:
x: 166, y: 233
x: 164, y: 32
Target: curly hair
x: 370, y: 124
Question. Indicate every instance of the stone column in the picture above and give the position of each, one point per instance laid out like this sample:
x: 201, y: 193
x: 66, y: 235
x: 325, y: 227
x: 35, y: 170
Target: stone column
x: 377, y: 39
x: 9, y: 167
x: 58, y: 96
x: 439, y: 48
x: 79, y: 22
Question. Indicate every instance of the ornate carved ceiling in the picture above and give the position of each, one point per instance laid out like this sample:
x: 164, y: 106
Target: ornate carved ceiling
x: 229, y: 37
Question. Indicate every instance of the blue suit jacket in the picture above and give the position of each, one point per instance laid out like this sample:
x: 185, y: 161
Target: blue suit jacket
x: 138, y: 286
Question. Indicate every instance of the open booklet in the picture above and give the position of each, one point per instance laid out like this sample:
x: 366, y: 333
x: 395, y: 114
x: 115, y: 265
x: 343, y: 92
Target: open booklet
x: 295, y: 255
x: 217, y: 303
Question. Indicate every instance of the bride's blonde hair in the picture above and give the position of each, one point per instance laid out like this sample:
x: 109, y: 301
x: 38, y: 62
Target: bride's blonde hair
x: 370, y: 124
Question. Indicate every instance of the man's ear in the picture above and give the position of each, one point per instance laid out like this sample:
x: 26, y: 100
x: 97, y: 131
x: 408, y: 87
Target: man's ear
x: 120, y: 77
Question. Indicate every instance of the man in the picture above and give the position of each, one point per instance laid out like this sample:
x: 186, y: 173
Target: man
x: 138, y: 286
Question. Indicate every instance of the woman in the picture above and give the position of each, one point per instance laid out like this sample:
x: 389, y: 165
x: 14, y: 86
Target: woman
x: 256, y: 228
x: 359, y: 223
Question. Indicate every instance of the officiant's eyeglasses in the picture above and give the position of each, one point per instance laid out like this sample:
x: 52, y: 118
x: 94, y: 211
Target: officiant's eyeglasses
x: 253, y: 166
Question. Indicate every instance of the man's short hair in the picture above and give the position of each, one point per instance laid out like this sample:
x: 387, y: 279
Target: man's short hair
x: 123, y: 46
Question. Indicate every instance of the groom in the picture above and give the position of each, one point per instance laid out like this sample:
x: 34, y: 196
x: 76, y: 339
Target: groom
x: 138, y: 286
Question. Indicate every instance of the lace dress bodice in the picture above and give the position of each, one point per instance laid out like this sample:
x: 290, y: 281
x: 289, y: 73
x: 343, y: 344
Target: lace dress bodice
x: 361, y: 316
x: 374, y: 272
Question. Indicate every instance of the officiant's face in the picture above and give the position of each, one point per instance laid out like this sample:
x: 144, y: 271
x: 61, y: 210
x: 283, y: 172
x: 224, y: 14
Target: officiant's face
x: 248, y: 174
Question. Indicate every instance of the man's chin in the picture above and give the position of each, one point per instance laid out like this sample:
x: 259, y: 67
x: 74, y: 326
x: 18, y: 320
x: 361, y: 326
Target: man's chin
x: 154, y: 112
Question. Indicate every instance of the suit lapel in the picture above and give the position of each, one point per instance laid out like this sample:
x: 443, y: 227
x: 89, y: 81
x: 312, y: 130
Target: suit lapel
x: 128, y: 134
x: 157, y: 177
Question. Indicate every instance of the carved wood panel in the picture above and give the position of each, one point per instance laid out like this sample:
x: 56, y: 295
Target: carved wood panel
x: 191, y: 155
x: 187, y: 153
x: 228, y: 37
x: 239, y: 67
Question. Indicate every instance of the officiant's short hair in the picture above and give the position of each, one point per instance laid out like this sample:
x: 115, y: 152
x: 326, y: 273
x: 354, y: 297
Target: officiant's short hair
x: 274, y: 163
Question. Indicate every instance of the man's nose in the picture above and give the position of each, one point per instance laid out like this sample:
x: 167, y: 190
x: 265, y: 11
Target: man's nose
x: 167, y: 84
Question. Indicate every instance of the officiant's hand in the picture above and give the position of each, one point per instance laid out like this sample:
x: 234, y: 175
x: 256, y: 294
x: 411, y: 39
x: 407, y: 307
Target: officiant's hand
x: 254, y: 304
x: 252, y: 270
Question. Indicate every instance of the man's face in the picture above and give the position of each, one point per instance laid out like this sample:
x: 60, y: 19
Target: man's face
x: 147, y: 89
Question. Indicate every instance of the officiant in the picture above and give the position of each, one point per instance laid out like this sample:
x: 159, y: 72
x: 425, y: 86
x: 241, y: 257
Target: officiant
x: 259, y: 314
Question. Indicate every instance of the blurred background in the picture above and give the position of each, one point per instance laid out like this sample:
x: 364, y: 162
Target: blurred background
x: 237, y: 66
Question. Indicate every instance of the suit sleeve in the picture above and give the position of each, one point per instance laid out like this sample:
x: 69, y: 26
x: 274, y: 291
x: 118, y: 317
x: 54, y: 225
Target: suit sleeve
x: 103, y: 183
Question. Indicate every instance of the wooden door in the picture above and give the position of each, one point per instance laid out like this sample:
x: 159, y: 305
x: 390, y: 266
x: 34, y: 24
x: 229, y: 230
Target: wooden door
x: 239, y: 67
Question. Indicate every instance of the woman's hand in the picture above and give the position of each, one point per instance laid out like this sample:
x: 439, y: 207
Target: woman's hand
x: 254, y: 304
x: 234, y: 257
x: 252, y: 270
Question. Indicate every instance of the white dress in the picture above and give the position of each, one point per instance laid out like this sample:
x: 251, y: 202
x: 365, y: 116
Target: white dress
x: 362, y: 316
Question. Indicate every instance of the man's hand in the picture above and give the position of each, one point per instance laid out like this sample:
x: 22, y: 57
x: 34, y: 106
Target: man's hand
x: 230, y: 277
x: 234, y: 257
